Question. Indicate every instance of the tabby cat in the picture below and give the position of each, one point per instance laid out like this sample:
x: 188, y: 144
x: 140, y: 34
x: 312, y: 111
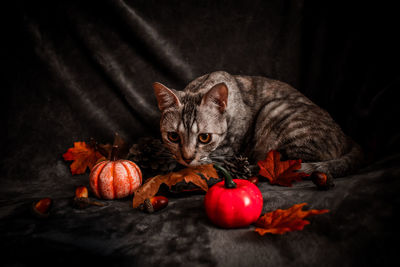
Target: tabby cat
x: 220, y: 115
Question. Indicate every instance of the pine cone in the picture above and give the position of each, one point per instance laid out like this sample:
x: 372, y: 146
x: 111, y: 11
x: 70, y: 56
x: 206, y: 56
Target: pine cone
x: 238, y: 166
x: 152, y: 157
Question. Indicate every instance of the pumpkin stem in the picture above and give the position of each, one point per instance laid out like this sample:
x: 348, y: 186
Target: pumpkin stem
x: 114, y: 153
x: 229, y: 183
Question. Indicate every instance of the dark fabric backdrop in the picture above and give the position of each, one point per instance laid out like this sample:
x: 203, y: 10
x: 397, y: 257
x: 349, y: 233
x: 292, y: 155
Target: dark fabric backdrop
x: 80, y: 69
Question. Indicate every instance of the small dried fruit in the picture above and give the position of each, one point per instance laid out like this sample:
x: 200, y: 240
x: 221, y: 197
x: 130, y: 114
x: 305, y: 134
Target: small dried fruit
x: 81, y: 191
x: 41, y: 209
x: 323, y: 181
x: 153, y: 204
x: 81, y: 199
x: 253, y: 180
x: 159, y: 202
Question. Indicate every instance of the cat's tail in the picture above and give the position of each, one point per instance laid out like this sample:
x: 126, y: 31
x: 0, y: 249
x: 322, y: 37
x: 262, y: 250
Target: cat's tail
x: 339, y: 167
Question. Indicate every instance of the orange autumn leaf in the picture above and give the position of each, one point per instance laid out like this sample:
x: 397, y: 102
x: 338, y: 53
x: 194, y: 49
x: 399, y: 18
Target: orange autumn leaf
x: 280, y: 172
x: 193, y: 175
x: 282, y: 221
x: 83, y: 156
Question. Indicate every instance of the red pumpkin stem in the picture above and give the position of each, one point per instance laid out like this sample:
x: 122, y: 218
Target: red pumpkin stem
x: 114, y: 153
x: 229, y: 183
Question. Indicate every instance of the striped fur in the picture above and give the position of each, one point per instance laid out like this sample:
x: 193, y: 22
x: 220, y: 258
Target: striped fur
x: 257, y: 115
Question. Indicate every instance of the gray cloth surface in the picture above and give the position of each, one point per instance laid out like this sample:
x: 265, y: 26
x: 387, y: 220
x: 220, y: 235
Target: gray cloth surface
x: 358, y: 231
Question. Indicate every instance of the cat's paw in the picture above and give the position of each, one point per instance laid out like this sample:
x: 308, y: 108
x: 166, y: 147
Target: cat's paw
x: 307, y: 168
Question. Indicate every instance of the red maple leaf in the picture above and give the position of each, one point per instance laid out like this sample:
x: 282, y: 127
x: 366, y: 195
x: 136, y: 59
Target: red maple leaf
x: 83, y: 155
x: 282, y: 221
x: 280, y: 172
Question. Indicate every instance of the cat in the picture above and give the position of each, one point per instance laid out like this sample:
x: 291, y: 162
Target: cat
x: 219, y: 115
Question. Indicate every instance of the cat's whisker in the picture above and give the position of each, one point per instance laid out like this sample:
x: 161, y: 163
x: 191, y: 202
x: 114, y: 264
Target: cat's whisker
x: 220, y: 157
x: 205, y: 159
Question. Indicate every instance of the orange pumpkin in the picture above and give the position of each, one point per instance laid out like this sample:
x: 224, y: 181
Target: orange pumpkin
x: 111, y: 179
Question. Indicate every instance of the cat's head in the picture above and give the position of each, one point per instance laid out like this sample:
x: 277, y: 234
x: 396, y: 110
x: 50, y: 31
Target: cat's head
x: 192, y: 124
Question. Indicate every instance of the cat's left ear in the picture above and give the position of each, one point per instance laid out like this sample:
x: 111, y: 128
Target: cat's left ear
x: 217, y: 96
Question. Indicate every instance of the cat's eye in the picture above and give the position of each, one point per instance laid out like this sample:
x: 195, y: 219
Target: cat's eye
x: 173, y: 137
x: 205, y: 138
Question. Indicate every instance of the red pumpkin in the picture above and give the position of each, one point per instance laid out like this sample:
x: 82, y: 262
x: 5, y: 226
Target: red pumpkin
x: 114, y: 178
x: 233, y: 203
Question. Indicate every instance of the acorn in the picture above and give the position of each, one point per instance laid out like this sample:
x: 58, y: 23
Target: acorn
x: 41, y: 209
x: 253, y: 179
x: 154, y: 204
x: 323, y: 181
x: 81, y: 199
x: 81, y: 192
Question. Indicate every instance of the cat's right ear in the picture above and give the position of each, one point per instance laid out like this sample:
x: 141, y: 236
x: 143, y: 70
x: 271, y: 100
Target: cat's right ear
x: 165, y: 97
x: 216, y: 97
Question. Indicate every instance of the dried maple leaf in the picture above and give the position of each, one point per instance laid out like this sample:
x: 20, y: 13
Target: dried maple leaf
x: 280, y: 172
x: 83, y: 155
x: 152, y: 185
x: 282, y: 221
x: 87, y: 155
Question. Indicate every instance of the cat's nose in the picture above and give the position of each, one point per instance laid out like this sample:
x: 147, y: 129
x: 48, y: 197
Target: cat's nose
x: 188, y: 160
